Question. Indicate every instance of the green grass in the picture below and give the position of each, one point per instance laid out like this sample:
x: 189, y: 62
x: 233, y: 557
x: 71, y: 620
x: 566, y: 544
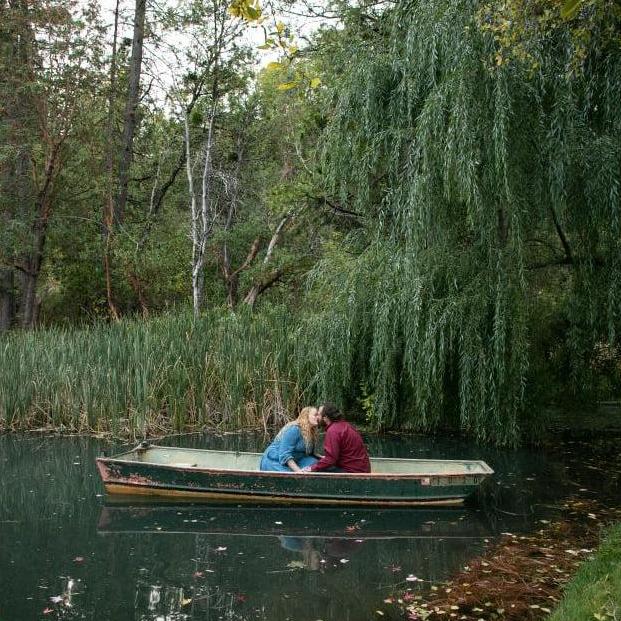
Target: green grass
x: 595, y: 592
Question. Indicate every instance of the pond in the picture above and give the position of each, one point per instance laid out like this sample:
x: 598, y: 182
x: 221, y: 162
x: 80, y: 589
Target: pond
x: 69, y: 553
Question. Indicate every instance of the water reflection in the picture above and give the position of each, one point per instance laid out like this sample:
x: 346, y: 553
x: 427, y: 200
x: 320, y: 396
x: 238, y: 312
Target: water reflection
x: 287, y: 562
x: 257, y: 521
x: 155, y: 602
x: 64, y: 554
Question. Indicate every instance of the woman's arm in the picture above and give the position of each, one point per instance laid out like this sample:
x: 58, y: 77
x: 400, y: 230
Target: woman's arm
x: 287, y: 448
x: 293, y: 466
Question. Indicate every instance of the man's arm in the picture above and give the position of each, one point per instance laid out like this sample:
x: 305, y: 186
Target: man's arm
x: 331, y: 449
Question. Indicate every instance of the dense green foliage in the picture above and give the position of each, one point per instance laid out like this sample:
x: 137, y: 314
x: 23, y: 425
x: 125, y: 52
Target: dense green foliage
x: 489, y: 189
x: 428, y: 194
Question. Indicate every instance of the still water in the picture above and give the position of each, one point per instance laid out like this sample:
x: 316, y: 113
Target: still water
x: 65, y: 552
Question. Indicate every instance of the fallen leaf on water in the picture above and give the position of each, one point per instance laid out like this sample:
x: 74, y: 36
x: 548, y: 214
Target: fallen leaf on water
x: 46, y: 611
x: 412, y: 578
x: 220, y: 548
x: 198, y: 574
x: 344, y: 560
x: 78, y: 559
x: 296, y: 565
x: 185, y: 602
x: 56, y: 599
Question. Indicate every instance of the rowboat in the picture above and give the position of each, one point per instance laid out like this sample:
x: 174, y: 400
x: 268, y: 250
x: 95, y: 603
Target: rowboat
x: 207, y: 475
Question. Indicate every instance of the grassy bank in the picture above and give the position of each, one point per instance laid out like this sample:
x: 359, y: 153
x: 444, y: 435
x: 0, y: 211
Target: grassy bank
x: 170, y: 373
x: 595, y: 591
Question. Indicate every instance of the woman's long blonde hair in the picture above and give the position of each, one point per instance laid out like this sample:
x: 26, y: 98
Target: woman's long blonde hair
x: 310, y: 434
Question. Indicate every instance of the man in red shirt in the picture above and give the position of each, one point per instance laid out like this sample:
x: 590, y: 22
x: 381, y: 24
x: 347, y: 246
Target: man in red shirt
x: 343, y: 447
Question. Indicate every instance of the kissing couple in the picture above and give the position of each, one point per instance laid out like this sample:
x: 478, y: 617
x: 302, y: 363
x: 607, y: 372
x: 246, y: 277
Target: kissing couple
x: 295, y: 445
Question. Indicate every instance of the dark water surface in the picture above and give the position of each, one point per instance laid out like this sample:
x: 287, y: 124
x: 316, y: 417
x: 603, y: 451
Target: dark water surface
x: 66, y: 553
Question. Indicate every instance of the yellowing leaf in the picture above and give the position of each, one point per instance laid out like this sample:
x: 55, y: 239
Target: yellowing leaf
x: 286, y: 86
x: 252, y: 14
x: 280, y: 27
x: 273, y: 66
x: 315, y: 82
x: 570, y: 8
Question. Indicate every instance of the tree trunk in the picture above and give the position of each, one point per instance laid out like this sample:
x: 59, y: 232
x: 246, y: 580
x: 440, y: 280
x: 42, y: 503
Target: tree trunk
x: 259, y: 287
x: 131, y: 107
x: 18, y: 117
x: 7, y: 299
x: 108, y: 212
x: 205, y: 225
x: 33, y: 262
x: 232, y: 277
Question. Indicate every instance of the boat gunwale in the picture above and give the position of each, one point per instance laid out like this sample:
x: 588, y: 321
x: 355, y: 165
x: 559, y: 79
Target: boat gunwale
x: 486, y: 470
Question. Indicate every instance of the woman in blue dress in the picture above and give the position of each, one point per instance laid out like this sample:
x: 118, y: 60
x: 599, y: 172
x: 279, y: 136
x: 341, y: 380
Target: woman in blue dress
x: 293, y: 448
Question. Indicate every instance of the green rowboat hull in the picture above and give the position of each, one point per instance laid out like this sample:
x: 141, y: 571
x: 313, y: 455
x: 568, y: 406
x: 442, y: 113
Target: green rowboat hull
x: 195, y: 475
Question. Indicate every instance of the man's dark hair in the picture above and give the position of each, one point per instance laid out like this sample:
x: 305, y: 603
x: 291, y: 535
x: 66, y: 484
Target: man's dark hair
x: 329, y: 410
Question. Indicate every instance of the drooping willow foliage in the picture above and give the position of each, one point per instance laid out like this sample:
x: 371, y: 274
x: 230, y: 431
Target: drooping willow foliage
x: 485, y: 189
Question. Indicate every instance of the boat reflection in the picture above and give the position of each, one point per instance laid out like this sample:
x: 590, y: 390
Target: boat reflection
x: 317, y: 522
x: 210, y: 562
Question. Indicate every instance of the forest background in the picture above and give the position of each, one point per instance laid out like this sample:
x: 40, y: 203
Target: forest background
x: 411, y: 210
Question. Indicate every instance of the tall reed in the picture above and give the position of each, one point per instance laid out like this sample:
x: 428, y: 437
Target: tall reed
x: 170, y: 373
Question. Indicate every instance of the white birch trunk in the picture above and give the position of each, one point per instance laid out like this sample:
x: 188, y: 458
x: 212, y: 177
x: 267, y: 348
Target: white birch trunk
x: 201, y: 224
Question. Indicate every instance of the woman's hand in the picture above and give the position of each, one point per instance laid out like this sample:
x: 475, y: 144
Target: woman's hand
x: 293, y: 466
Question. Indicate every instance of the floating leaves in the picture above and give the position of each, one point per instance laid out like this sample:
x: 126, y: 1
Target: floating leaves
x: 519, y: 577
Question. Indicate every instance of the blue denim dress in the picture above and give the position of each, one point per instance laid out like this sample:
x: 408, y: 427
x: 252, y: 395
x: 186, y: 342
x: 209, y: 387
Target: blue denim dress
x: 288, y: 444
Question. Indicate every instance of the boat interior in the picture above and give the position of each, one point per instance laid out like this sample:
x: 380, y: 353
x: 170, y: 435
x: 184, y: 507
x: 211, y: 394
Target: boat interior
x: 231, y: 460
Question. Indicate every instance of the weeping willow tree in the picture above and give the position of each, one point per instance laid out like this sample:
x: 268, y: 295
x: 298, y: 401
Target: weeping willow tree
x: 488, y: 185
